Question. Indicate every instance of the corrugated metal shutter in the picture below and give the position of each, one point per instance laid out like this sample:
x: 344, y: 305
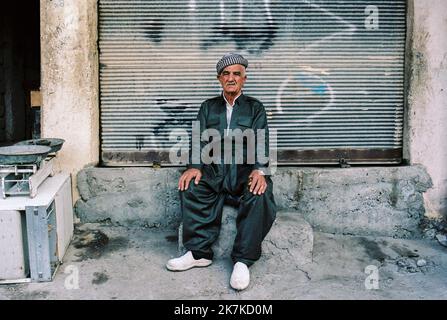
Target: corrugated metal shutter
x: 331, y: 79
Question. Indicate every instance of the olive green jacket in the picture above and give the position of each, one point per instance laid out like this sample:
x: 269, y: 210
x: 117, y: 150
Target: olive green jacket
x: 248, y: 113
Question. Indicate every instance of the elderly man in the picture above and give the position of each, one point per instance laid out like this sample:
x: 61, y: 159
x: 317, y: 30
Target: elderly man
x: 204, y: 188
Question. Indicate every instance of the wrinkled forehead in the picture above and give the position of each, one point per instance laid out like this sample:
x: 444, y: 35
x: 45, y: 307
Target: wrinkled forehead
x: 234, y: 68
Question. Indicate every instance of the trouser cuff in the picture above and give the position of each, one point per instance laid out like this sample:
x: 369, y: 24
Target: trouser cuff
x: 248, y: 262
x: 201, y: 255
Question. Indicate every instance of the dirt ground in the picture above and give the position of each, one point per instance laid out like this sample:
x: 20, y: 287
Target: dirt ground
x: 109, y: 262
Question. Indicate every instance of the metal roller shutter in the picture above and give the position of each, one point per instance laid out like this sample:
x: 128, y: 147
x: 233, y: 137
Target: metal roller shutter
x: 331, y: 80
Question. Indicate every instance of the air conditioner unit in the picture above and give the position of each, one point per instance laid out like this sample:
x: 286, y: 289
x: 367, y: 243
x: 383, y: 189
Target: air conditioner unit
x: 13, y: 246
x: 35, y: 232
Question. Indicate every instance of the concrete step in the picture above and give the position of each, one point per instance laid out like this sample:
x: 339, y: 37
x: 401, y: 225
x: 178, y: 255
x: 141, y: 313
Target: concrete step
x: 290, y: 239
x: 367, y: 201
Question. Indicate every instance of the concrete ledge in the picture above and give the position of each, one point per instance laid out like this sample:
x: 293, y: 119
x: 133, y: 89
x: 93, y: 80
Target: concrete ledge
x: 129, y: 196
x: 290, y: 239
x: 367, y: 201
x: 386, y: 201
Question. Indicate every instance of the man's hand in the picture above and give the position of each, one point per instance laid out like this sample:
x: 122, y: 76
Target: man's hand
x: 187, y: 176
x: 256, y: 182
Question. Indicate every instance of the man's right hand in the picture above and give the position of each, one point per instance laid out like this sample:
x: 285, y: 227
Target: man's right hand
x: 187, y: 176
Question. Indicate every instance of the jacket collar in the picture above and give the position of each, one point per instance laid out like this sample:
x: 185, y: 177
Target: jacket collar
x: 239, y: 99
x: 235, y: 100
x: 237, y: 112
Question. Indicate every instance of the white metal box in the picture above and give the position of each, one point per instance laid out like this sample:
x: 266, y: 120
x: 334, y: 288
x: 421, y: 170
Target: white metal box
x: 39, y: 230
x: 13, y: 246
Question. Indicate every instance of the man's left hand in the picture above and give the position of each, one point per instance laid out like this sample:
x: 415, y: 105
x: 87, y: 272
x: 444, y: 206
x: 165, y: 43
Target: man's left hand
x: 257, y: 182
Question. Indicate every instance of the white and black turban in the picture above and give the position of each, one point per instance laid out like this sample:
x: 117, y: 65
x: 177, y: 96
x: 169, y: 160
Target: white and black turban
x: 230, y: 59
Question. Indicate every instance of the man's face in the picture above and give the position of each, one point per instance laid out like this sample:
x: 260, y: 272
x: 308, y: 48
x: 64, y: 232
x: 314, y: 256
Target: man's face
x: 232, y: 79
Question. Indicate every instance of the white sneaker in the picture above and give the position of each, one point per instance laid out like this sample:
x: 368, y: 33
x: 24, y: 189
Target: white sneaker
x: 186, y: 262
x: 240, y: 278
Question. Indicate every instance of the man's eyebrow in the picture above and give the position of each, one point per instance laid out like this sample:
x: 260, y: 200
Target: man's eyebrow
x: 234, y: 72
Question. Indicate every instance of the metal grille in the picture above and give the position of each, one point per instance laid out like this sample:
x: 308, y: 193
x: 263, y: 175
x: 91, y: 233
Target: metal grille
x: 330, y: 73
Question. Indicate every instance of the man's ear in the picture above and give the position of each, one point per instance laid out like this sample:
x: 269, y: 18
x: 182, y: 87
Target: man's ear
x: 218, y: 76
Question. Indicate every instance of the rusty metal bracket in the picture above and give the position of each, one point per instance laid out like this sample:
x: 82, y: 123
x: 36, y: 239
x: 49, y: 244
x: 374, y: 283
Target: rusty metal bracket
x: 343, y: 163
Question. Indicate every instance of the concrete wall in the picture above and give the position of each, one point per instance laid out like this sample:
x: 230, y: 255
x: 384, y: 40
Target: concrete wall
x: 383, y: 201
x: 427, y: 97
x: 70, y: 108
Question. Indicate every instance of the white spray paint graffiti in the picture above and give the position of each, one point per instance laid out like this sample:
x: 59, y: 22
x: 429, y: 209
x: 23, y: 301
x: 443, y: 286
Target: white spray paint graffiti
x: 268, y: 11
x: 222, y: 13
x: 307, y: 73
x: 192, y: 5
x: 315, y: 84
x: 241, y: 11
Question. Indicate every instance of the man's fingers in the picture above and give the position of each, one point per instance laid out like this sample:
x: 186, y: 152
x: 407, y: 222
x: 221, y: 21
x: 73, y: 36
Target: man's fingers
x: 258, y: 187
x: 186, y: 178
x: 252, y: 183
x: 187, y: 181
x: 264, y: 187
x: 180, y: 182
x: 198, y: 177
